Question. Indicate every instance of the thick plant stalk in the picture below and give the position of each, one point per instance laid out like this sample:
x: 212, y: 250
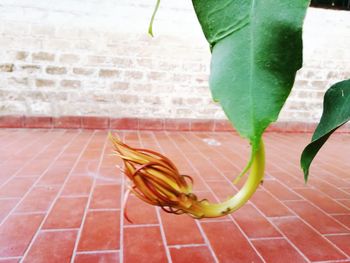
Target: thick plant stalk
x: 156, y: 180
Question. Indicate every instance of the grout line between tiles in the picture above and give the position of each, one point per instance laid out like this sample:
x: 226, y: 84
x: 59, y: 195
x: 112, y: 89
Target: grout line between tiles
x: 38, y: 179
x: 97, y: 252
x: 75, y: 249
x: 58, y: 193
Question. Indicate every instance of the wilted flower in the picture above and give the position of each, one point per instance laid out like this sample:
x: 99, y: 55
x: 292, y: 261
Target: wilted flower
x: 157, y: 181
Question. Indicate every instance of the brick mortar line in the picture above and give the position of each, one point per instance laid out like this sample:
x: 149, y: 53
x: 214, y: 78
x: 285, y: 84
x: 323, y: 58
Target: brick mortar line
x: 267, y: 238
x: 76, y: 229
x: 332, y: 261
x: 122, y: 211
x: 103, y: 209
x: 9, y: 258
x: 188, y: 245
x: 88, y: 252
x: 141, y: 225
x: 337, y: 234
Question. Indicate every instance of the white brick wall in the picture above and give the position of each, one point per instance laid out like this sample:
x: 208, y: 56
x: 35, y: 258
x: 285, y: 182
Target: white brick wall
x: 95, y: 58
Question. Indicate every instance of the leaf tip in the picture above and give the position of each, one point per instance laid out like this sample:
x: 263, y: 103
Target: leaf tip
x: 306, y: 173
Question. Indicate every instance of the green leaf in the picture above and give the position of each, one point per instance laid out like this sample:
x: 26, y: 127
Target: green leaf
x: 336, y: 112
x: 256, y: 51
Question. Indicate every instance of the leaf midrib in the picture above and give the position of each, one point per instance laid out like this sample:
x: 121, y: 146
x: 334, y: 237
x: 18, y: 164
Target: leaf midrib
x: 252, y: 69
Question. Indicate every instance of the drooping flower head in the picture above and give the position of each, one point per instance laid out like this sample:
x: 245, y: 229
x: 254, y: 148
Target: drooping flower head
x: 157, y: 181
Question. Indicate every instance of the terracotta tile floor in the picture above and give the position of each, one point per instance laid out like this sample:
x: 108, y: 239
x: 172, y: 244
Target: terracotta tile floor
x: 61, y: 194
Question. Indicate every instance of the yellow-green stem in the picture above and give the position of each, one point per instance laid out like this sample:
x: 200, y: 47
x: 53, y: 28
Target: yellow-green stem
x: 255, y: 178
x: 150, y: 28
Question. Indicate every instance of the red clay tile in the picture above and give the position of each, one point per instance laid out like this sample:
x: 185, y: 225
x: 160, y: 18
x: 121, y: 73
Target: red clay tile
x: 191, y: 254
x: 55, y: 175
x: 97, y: 257
x: 38, y: 199
x: 91, y: 155
x: 139, y: 212
x: 224, y: 238
x: 253, y: 223
x: 67, y: 122
x: 202, y: 125
x: 6, y: 205
x: 141, y: 241
x: 344, y: 219
x: 66, y: 213
x: 222, y: 189
x: 34, y: 168
x: 342, y: 242
x: 180, y: 230
x: 151, y: 124
x: 16, y: 187
x: 92, y: 122
x: 345, y: 202
x: 281, y: 192
x: 105, y: 196
x: 315, y: 217
x: 37, y: 122
x: 177, y: 124
x: 270, y: 206
x: 86, y: 168
x: 206, y: 170
x: 209, y: 167
x: 52, y: 247
x: 285, y: 177
x: 330, y: 190
x: 200, y: 185
x: 109, y: 175
x: 225, y: 165
x: 322, y: 201
x: 124, y: 124
x: 8, y: 170
x: 9, y: 121
x: 77, y: 185
x: 313, y: 245
x: 278, y: 250
x: 17, y: 232
x: 100, y: 231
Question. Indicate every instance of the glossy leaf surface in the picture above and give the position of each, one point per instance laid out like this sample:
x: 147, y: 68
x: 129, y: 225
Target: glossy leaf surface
x: 256, y: 51
x: 336, y: 112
